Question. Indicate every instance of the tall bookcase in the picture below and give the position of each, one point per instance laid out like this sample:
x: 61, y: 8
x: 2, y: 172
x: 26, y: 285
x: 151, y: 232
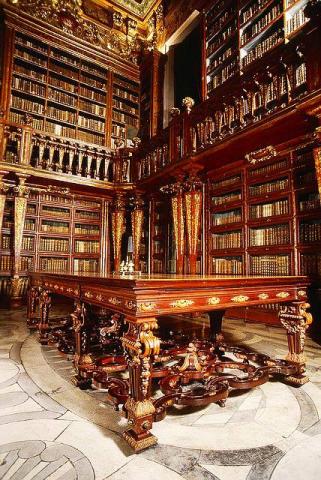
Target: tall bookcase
x: 67, y: 93
x: 239, y: 33
x: 61, y: 233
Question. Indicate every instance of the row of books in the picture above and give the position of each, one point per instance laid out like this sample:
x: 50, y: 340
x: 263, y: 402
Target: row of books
x: 295, y: 22
x: 82, y: 246
x: 23, y: 54
x: 310, y: 203
x: 26, y: 263
x: 61, y: 97
x: 50, y: 264
x: 252, y: 10
x: 28, y: 243
x: 269, y: 168
x: 269, y: 187
x: 85, y: 265
x: 121, y: 117
x: 86, y: 229
x: 125, y: 107
x: 227, y: 198
x: 216, y: 8
x: 48, y: 197
x: 58, y: 55
x: 157, y: 266
x: 27, y: 105
x: 6, y: 242
x: 280, y: 207
x: 86, y: 214
x: 28, y: 87
x: 227, y: 266
x: 310, y: 264
x: 221, y: 38
x: 118, y: 131
x: 55, y: 211
x: 275, y: 235
x: 263, y: 21
x: 62, y: 115
x: 221, y: 77
x: 310, y: 232
x: 54, y: 227
x: 5, y: 263
x: 227, y: 240
x: 30, y: 224
x: 305, y: 178
x: 219, y: 22
x: 67, y: 72
x: 262, y: 47
x: 59, y: 83
x: 93, y: 82
x: 92, y: 95
x: 218, y: 60
x: 28, y: 42
x: 300, y: 75
x: 227, y: 217
x: 54, y: 245
x: 28, y: 72
x: 91, y: 123
x: 158, y: 247
x: 16, y: 117
x: 270, y: 265
x: 94, y: 138
x: 60, y: 130
x: 226, y: 182
x: 93, y: 108
x: 125, y: 94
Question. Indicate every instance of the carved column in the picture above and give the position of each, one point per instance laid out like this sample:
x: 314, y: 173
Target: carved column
x: 117, y: 222
x: 3, y: 191
x: 296, y: 321
x: 137, y: 218
x: 26, y: 141
x: 43, y: 325
x: 193, y: 210
x: 82, y: 358
x: 179, y: 229
x: 20, y: 208
x: 33, y: 300
x: 141, y: 345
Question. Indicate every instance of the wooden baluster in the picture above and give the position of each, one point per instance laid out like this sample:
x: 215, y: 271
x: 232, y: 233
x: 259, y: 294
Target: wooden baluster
x: 99, y: 159
x: 106, y: 167
x: 89, y: 165
x: 41, y: 146
x: 51, y: 147
x: 61, y: 152
x: 81, y: 154
x: 26, y: 142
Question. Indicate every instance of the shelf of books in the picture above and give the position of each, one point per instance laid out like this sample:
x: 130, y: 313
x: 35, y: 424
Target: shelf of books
x: 239, y: 33
x: 125, y: 111
x: 68, y: 96
x: 308, y: 209
x: 61, y: 233
x: 226, y: 198
x: 158, y: 236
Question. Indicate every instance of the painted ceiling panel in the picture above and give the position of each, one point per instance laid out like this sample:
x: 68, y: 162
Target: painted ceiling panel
x: 137, y: 7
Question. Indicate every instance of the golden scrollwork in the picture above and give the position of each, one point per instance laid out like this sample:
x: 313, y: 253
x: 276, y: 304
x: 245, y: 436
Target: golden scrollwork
x: 240, y: 299
x: 150, y: 343
x: 213, y: 300
x: 182, y: 303
x: 88, y: 294
x: 130, y: 305
x: 282, y: 295
x: 302, y: 293
x: 138, y: 445
x: 146, y: 307
x: 114, y: 301
x: 263, y: 296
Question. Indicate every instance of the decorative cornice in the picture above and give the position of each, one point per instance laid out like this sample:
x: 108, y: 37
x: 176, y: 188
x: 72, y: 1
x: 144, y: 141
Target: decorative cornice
x: 261, y: 155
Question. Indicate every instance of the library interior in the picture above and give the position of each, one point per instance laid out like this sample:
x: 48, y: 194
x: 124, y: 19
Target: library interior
x: 160, y: 239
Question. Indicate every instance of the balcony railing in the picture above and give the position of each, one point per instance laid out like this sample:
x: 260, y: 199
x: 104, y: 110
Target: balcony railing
x: 22, y: 146
x: 291, y: 75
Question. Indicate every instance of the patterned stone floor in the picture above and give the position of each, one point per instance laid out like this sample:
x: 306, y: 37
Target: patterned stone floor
x: 49, y: 429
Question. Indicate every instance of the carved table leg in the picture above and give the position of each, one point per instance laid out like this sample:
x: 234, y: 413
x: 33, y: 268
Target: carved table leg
x: 296, y: 321
x: 216, y: 318
x: 43, y: 325
x: 33, y: 299
x: 82, y: 356
x: 141, y: 345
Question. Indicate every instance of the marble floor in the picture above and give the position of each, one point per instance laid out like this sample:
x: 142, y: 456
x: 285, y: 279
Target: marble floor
x: 49, y: 429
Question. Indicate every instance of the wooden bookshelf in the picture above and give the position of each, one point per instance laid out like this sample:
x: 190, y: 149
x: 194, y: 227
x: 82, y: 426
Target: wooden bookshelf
x: 240, y: 33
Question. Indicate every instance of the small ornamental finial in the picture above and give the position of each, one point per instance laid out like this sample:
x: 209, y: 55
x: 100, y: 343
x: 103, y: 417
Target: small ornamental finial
x: 188, y: 103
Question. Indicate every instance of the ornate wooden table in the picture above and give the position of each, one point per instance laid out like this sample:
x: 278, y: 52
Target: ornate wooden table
x: 140, y: 300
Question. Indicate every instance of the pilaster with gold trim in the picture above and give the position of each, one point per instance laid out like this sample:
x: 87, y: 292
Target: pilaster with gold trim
x: 179, y: 229
x: 118, y: 228
x: 141, y: 345
x: 20, y: 208
x: 3, y: 191
x: 137, y: 219
x: 193, y: 210
x: 317, y: 162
